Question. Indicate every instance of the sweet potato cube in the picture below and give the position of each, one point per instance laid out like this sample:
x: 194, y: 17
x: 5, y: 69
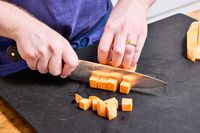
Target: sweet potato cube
x: 94, y: 104
x: 112, y: 100
x: 102, y: 83
x: 129, y: 78
x: 125, y: 87
x: 94, y: 81
x: 101, y: 108
x: 95, y: 100
x: 112, y: 84
x: 96, y: 73
x: 116, y: 75
x: 111, y: 111
x: 93, y: 97
x: 85, y: 103
x: 78, y: 98
x: 127, y: 104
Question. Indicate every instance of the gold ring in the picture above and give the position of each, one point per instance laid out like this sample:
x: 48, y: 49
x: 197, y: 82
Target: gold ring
x: 131, y: 43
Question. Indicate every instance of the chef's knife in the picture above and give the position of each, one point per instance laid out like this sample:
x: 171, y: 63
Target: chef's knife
x: 85, y: 69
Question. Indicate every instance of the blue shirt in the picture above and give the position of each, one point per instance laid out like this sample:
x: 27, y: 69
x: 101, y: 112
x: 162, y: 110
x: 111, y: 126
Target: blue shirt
x: 68, y: 17
x: 81, y: 22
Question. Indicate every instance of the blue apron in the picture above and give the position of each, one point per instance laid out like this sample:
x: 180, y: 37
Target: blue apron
x: 8, y: 66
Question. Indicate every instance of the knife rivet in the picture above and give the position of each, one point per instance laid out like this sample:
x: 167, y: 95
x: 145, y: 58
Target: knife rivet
x: 12, y: 54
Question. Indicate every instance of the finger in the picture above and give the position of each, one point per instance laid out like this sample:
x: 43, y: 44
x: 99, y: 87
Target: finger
x: 70, y: 61
x: 55, y: 64
x: 129, y: 51
x: 42, y: 64
x: 105, y: 46
x: 118, y: 49
x: 31, y: 60
x: 138, y: 50
x: 32, y: 64
x: 128, y: 56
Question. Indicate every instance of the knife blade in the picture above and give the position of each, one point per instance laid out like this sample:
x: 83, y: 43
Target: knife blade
x: 85, y: 69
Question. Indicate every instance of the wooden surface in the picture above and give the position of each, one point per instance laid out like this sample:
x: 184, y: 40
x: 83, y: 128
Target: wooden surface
x: 195, y: 14
x: 11, y: 122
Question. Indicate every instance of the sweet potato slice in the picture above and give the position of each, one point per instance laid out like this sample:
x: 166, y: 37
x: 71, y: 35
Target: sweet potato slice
x: 193, y: 50
x: 78, y: 98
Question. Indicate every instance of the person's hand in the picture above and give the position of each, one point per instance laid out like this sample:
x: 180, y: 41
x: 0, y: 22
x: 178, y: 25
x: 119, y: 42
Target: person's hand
x: 126, y: 24
x: 45, y: 50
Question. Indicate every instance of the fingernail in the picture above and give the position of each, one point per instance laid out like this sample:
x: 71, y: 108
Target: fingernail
x: 63, y: 76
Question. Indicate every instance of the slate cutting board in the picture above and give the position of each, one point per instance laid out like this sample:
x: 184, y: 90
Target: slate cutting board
x: 46, y: 102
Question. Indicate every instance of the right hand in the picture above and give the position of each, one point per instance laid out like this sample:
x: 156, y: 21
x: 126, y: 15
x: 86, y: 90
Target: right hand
x: 45, y: 50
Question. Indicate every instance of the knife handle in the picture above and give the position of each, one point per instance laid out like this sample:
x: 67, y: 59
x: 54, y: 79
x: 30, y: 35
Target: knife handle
x: 13, y: 54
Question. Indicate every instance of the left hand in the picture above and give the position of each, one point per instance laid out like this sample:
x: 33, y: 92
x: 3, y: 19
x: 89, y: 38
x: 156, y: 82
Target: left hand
x: 127, y: 23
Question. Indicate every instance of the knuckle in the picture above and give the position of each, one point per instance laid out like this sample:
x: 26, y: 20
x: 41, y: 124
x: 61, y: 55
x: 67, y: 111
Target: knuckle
x: 42, y: 51
x: 118, y: 52
x: 103, y: 49
x: 109, y: 27
x: 73, y: 64
x: 53, y: 48
x: 123, y: 29
x: 30, y: 55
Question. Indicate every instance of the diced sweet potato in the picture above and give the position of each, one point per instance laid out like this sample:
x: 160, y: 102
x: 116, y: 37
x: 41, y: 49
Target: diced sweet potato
x: 78, y: 98
x: 85, y: 103
x: 125, y: 87
x: 94, y: 104
x: 112, y: 84
x: 96, y: 73
x: 95, y: 100
x: 94, y: 81
x: 115, y: 75
x: 129, y: 78
x: 102, y: 83
x: 101, y: 108
x: 112, y: 100
x: 111, y: 111
x: 93, y: 97
x: 127, y: 104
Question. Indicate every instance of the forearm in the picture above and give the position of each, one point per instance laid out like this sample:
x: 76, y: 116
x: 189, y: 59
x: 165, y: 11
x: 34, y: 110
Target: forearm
x: 12, y: 19
x: 147, y: 3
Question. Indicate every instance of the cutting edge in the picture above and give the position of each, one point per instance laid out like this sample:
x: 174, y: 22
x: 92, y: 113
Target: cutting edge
x: 85, y: 68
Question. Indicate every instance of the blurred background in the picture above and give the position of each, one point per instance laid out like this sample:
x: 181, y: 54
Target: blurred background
x: 165, y: 8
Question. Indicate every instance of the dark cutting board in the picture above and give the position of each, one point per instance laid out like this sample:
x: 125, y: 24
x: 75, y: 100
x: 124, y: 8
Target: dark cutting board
x: 46, y: 102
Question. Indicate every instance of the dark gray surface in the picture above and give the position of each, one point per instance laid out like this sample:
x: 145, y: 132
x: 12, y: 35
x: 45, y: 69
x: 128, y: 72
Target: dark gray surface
x: 47, y: 103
